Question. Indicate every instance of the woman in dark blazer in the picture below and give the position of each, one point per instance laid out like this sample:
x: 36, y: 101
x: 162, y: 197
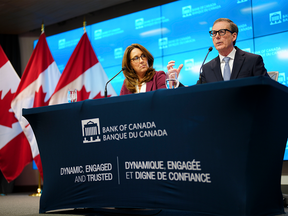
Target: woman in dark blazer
x: 140, y: 76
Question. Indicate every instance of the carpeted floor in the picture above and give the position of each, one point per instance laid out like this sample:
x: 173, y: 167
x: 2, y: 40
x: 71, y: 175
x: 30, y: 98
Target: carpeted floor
x: 21, y: 204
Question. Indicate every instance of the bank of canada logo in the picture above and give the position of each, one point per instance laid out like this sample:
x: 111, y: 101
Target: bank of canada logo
x: 281, y: 78
x: 61, y: 44
x: 91, y: 130
x: 189, y: 64
x: 118, y: 53
x: 163, y: 43
x: 139, y: 23
x: 97, y: 34
x: 187, y: 11
x: 275, y: 18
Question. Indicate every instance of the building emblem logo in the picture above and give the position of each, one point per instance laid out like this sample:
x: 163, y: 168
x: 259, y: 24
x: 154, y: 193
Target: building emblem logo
x: 97, y: 34
x: 139, y: 23
x: 189, y: 63
x: 186, y: 11
x: 281, y: 78
x: 275, y: 18
x: 91, y: 130
x: 163, y: 43
x: 118, y: 53
x: 61, y: 44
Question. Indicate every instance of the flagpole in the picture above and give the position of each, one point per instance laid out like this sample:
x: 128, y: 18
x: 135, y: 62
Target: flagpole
x: 42, y: 27
x: 39, y: 188
x: 84, y: 24
x: 38, y: 194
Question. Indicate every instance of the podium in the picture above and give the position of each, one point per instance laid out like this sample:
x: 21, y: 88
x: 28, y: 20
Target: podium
x: 212, y: 149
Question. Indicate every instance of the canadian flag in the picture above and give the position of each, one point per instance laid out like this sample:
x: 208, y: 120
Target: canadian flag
x: 36, y: 86
x: 84, y: 73
x: 15, y: 151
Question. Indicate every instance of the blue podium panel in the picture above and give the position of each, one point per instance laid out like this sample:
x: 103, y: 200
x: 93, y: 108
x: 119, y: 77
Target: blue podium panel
x: 212, y: 149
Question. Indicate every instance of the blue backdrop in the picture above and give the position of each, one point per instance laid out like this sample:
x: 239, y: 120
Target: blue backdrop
x: 179, y: 31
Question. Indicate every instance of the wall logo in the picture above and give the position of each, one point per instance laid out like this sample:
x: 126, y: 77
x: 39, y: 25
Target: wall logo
x: 61, y: 44
x: 91, y: 130
x: 281, y: 78
x: 118, y: 53
x: 97, y: 34
x: 188, y: 64
x: 275, y: 18
x: 139, y: 23
x: 163, y: 43
x: 187, y: 11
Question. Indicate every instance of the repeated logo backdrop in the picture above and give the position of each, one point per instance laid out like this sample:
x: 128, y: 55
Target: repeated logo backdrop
x: 179, y: 31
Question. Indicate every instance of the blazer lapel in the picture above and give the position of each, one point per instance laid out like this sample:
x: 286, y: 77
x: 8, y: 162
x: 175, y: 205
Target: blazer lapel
x: 149, y: 85
x: 217, y: 69
x: 238, y: 61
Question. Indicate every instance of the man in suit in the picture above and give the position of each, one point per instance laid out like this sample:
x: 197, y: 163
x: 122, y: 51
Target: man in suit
x: 230, y: 59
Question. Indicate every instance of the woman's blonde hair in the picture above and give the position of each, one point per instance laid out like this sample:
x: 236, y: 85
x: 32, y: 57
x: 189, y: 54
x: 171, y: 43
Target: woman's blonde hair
x: 131, y: 77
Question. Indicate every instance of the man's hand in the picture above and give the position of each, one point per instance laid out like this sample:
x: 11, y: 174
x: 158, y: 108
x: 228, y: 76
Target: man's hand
x: 171, y: 69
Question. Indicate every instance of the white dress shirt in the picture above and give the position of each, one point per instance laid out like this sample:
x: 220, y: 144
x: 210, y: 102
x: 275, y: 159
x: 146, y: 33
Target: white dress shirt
x: 231, y: 55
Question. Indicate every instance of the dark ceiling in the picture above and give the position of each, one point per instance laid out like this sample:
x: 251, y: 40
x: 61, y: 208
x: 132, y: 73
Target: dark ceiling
x: 20, y: 16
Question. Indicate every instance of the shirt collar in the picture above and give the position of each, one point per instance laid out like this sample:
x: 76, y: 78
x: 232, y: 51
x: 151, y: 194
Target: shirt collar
x: 231, y: 55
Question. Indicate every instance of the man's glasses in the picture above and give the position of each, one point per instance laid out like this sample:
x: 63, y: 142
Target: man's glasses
x: 221, y: 32
x: 137, y: 58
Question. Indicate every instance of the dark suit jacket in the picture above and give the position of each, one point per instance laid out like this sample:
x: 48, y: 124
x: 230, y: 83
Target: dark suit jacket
x: 245, y: 65
x: 157, y: 82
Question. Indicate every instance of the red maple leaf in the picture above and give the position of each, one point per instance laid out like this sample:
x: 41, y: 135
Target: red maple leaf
x: 39, y: 99
x: 84, y: 95
x: 100, y: 96
x: 7, y: 118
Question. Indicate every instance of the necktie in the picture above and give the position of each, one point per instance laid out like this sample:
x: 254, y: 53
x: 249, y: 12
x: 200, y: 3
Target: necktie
x: 226, y: 69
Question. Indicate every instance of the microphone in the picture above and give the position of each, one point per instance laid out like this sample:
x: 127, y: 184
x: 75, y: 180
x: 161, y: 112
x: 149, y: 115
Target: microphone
x: 200, y: 78
x: 124, y: 68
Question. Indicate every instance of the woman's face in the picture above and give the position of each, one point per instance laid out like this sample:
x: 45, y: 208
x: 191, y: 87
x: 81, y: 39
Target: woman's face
x: 139, y: 62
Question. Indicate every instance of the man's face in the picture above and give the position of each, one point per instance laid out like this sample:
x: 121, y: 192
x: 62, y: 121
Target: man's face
x: 224, y: 44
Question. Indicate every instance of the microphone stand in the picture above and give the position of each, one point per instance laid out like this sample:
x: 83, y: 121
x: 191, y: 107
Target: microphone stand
x: 124, y: 68
x: 200, y: 77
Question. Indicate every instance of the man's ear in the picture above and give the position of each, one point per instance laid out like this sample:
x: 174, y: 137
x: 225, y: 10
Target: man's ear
x: 234, y: 36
